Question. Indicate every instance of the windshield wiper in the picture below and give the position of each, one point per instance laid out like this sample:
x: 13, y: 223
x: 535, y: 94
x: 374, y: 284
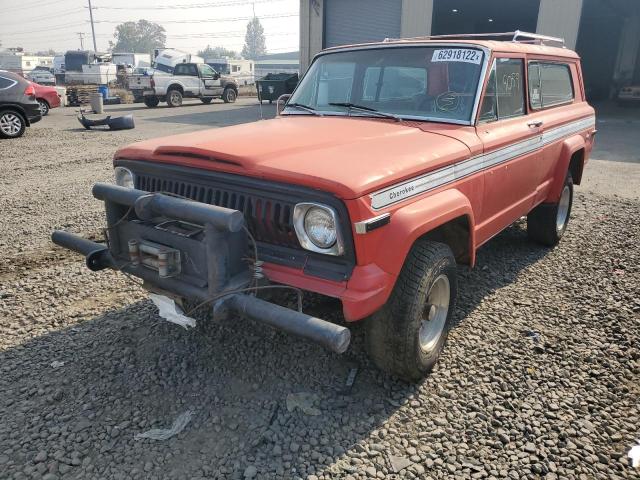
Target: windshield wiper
x: 353, y: 106
x: 306, y: 108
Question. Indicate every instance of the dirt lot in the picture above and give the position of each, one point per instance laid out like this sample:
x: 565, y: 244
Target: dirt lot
x: 540, y: 378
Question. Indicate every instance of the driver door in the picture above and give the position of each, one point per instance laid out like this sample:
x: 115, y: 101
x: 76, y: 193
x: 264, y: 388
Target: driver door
x: 210, y: 83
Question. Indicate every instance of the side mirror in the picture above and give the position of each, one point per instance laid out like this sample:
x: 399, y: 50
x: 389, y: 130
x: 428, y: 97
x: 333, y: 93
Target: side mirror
x: 216, y: 76
x: 281, y: 102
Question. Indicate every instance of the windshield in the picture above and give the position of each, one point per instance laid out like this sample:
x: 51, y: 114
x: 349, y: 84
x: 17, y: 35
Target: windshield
x: 431, y: 83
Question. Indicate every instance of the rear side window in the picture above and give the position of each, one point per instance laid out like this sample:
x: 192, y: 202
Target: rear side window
x: 549, y: 84
x: 504, y: 96
x: 6, y: 83
x: 186, y: 69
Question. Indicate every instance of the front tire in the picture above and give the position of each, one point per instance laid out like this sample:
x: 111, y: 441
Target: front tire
x: 174, y: 98
x: 229, y: 95
x: 547, y: 222
x: 406, y: 336
x: 151, y: 102
x: 12, y: 124
x: 44, y: 107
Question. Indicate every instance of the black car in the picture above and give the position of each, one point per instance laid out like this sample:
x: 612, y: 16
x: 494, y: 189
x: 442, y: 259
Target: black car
x: 18, y: 105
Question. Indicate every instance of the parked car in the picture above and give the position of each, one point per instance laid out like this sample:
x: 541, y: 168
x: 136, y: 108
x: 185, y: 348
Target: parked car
x: 629, y: 95
x: 390, y: 164
x: 47, y: 98
x: 18, y: 105
x: 43, y: 77
x: 190, y: 80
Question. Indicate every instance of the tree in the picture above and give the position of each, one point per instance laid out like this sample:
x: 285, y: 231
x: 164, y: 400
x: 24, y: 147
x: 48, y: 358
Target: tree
x: 254, y: 41
x: 138, y: 37
x: 216, y: 52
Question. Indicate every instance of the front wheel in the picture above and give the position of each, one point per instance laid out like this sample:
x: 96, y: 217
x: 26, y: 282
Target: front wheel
x: 406, y: 336
x: 174, y: 98
x: 547, y: 222
x: 44, y: 107
x: 229, y: 95
x: 12, y: 124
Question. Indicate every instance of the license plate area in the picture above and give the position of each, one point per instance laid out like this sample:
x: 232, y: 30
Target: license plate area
x: 161, y: 258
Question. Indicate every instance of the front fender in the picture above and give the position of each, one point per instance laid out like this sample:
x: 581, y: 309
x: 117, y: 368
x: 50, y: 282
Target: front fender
x: 570, y: 146
x: 416, y: 219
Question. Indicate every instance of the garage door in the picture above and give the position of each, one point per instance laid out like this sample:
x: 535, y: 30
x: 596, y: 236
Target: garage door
x: 358, y: 21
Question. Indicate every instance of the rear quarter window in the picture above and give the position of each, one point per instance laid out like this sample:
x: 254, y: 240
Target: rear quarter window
x: 6, y: 83
x: 550, y: 84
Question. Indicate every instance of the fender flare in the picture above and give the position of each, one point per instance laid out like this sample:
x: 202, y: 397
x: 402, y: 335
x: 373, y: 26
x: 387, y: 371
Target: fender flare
x: 569, y: 146
x: 418, y: 218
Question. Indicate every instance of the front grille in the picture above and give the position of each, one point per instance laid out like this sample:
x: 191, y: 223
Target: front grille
x: 269, y: 219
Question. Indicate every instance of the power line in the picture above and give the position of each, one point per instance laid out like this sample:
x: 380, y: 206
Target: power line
x: 189, y: 5
x: 45, y: 30
x: 208, y: 20
x: 24, y: 6
x: 47, y: 17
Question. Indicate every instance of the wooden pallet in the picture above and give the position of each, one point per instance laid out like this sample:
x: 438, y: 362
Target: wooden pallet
x: 80, y: 94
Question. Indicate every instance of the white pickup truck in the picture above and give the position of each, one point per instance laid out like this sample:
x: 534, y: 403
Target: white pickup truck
x: 189, y: 80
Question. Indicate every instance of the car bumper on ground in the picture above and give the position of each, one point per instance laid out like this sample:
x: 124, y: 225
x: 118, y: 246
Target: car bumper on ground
x: 190, y: 250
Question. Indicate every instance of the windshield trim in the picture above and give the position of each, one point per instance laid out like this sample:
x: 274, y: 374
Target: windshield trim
x: 476, y: 102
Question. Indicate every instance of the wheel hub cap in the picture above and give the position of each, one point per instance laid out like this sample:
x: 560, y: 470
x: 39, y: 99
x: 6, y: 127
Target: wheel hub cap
x: 563, y: 208
x: 10, y: 124
x: 435, y: 313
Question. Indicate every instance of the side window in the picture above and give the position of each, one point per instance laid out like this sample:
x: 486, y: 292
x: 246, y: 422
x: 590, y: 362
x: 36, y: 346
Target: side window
x: 510, y: 87
x: 504, y: 95
x: 206, y: 71
x: 556, y: 83
x: 535, y: 86
x: 186, y: 69
x: 371, y: 81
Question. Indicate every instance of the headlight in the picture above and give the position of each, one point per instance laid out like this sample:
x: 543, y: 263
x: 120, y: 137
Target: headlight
x: 317, y: 228
x: 124, y: 177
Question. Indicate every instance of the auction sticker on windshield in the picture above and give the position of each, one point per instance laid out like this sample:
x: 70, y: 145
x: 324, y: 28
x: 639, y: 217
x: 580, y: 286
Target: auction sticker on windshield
x: 467, y: 55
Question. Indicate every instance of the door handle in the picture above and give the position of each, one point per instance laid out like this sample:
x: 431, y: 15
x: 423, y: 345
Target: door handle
x: 536, y: 124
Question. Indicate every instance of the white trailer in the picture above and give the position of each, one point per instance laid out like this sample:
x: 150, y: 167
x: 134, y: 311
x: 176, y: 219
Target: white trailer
x: 166, y: 59
x: 134, y: 60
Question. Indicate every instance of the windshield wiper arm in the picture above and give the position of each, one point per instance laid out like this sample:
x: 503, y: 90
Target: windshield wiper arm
x: 353, y: 106
x: 306, y: 108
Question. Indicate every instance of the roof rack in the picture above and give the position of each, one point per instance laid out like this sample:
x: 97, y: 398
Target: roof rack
x: 517, y: 36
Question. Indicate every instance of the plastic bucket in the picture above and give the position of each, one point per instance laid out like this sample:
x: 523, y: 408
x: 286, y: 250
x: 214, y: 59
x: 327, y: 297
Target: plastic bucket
x: 104, y: 91
x: 95, y: 99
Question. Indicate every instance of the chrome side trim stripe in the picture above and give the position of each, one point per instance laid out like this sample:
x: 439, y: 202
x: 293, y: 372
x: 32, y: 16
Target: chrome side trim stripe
x: 409, y: 188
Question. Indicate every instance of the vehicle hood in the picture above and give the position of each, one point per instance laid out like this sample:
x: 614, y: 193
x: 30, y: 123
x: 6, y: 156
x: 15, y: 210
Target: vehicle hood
x: 346, y: 156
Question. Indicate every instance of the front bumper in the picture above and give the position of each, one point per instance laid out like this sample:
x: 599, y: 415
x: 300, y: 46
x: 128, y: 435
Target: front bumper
x: 191, y: 250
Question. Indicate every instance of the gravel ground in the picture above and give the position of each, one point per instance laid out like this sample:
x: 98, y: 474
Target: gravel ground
x: 540, y: 378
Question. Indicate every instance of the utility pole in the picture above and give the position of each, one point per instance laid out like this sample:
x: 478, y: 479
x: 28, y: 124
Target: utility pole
x: 93, y: 30
x: 81, y: 35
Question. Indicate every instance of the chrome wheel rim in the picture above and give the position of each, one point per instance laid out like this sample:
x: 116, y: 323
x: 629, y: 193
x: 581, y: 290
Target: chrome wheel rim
x: 43, y: 108
x: 434, y: 316
x: 231, y: 95
x: 563, y: 208
x: 175, y: 98
x: 10, y: 124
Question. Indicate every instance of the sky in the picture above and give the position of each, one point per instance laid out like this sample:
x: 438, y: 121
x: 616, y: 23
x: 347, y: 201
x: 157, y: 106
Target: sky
x: 190, y: 24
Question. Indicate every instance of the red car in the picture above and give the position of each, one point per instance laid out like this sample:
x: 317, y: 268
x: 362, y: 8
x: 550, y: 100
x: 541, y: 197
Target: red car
x: 47, y: 97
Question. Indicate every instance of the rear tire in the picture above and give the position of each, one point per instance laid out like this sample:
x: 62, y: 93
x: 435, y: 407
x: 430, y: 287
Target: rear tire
x: 12, y: 124
x: 547, y: 222
x: 229, y: 95
x: 174, y: 98
x: 44, y: 107
x: 151, y: 102
x: 405, y: 337
x: 206, y: 101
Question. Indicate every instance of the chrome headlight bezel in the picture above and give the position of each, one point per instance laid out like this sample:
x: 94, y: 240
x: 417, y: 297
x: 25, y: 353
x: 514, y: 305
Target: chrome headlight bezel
x: 299, y: 214
x: 124, y: 177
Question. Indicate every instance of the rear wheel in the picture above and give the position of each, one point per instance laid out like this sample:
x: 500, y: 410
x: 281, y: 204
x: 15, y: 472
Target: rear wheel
x: 547, y: 222
x: 174, y: 98
x: 206, y: 100
x: 44, y: 107
x: 406, y: 336
x: 151, y: 102
x: 229, y: 95
x: 12, y: 124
